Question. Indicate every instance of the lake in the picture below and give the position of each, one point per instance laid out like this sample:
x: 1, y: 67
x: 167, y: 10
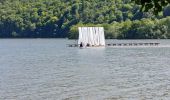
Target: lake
x: 47, y: 69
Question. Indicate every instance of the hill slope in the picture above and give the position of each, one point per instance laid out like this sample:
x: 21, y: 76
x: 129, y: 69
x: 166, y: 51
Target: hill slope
x: 54, y: 18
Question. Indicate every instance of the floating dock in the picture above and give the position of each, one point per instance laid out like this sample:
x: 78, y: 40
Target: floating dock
x: 122, y: 44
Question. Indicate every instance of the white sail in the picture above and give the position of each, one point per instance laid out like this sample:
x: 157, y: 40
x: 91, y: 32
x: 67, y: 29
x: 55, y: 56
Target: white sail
x: 80, y: 36
x: 98, y: 35
x: 102, y: 37
x: 83, y: 35
x: 94, y: 36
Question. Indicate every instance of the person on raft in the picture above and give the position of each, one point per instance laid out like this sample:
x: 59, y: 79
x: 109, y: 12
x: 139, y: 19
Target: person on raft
x: 81, y: 44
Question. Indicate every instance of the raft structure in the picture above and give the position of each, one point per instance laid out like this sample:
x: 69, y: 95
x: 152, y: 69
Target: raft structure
x: 95, y: 37
x: 121, y: 44
x: 132, y: 44
x: 91, y: 37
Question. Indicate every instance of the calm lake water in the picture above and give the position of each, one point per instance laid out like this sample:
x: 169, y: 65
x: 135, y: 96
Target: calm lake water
x: 46, y: 69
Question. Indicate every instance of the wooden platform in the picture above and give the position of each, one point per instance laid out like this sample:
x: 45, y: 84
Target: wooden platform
x: 133, y: 44
x: 122, y: 44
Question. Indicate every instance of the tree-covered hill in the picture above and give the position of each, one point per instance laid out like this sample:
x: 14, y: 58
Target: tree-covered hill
x: 55, y: 18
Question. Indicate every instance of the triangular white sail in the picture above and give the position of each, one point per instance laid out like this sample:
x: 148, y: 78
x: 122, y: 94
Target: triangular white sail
x: 92, y: 36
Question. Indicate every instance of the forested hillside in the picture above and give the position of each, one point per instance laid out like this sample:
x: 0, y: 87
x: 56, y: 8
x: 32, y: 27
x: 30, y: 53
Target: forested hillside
x: 60, y: 18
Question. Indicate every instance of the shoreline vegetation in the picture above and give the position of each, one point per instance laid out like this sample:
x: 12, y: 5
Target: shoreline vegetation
x: 121, y: 19
x: 138, y: 29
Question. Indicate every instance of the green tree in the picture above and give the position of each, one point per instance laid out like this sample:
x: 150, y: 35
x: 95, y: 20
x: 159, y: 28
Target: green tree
x: 155, y: 5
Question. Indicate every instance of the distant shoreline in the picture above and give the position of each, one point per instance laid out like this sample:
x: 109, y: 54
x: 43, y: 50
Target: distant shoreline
x: 77, y: 39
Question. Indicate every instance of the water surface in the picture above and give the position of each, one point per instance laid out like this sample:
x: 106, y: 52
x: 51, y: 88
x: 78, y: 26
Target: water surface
x: 46, y: 69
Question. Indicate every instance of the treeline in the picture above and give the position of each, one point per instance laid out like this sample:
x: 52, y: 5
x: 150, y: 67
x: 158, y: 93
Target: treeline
x: 138, y: 29
x: 58, y: 18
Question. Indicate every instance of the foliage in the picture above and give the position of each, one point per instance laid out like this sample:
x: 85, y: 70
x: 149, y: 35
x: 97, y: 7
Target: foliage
x: 60, y: 18
x: 154, y: 5
x: 138, y: 29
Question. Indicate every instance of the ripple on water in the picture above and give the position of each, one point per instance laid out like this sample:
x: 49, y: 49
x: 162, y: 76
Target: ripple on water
x: 39, y: 69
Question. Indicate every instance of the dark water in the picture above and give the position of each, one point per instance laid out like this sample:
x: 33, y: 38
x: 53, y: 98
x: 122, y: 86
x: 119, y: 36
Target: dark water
x: 46, y: 69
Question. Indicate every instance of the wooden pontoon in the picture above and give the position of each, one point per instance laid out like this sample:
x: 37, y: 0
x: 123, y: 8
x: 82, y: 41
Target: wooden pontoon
x: 122, y: 44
